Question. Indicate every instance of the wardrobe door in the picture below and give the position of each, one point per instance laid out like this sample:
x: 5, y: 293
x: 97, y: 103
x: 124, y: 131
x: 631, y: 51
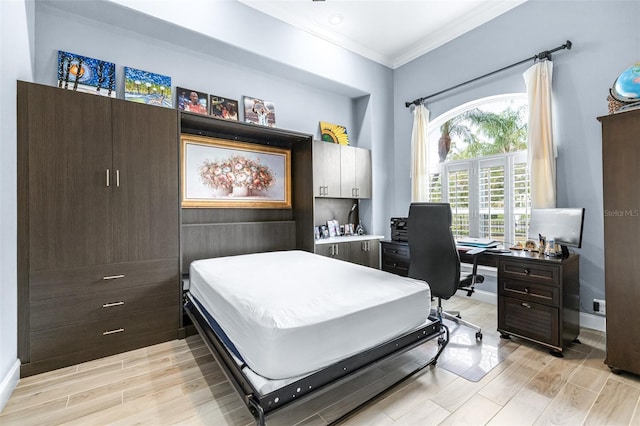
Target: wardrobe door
x: 69, y: 159
x: 146, y: 196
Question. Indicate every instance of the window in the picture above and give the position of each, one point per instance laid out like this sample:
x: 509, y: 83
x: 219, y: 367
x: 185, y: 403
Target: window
x: 478, y: 164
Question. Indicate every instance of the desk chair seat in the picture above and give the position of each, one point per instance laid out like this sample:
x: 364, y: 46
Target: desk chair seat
x: 435, y: 258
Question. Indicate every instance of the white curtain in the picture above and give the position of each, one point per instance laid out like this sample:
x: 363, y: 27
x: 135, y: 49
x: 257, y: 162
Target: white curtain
x: 419, y: 154
x: 541, y: 148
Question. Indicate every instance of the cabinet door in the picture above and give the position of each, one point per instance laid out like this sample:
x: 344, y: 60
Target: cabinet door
x: 365, y: 253
x: 347, y: 171
x: 326, y: 169
x: 336, y: 250
x: 146, y: 195
x: 68, y: 138
x: 363, y: 172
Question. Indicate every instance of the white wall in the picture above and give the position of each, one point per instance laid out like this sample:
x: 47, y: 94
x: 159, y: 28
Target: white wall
x: 605, y: 40
x: 16, y: 47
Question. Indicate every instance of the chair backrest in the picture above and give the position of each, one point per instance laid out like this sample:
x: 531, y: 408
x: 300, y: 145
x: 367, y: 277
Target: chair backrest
x: 433, y: 254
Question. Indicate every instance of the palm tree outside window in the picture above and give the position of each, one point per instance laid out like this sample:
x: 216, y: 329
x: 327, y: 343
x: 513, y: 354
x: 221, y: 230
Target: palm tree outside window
x: 479, y: 166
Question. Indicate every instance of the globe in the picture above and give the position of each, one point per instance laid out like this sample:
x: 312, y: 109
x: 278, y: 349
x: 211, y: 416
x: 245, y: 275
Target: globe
x: 627, y: 86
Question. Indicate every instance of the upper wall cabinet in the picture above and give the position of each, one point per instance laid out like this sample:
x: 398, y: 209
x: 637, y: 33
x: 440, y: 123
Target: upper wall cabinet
x: 341, y: 171
x: 326, y: 169
x: 355, y: 172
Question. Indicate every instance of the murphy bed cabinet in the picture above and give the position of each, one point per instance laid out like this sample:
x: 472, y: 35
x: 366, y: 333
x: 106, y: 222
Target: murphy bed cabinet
x: 621, y: 197
x: 341, y: 171
x: 362, y: 252
x: 98, y: 227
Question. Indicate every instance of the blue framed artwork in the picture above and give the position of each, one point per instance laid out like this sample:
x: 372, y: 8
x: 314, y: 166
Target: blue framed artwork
x: 85, y: 74
x: 147, y: 88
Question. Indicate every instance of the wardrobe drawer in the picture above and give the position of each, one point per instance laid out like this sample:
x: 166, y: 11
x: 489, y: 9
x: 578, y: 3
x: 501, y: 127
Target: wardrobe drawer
x: 97, y: 305
x: 123, y: 330
x: 530, y: 320
x: 75, y: 281
x: 529, y: 271
x: 530, y: 291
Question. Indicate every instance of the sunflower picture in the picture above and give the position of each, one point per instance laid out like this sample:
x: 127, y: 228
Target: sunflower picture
x: 334, y: 133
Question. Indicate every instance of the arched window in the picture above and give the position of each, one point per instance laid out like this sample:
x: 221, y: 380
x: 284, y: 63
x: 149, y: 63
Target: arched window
x: 478, y: 164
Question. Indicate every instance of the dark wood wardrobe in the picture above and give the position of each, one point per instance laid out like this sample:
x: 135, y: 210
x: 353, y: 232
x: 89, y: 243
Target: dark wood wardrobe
x: 98, y: 226
x: 621, y: 196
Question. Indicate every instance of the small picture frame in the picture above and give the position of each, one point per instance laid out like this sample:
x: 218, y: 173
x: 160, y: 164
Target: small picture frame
x: 334, y: 228
x: 316, y: 232
x: 147, y: 87
x: 192, y: 101
x: 224, y: 108
x: 324, y: 231
x: 260, y: 112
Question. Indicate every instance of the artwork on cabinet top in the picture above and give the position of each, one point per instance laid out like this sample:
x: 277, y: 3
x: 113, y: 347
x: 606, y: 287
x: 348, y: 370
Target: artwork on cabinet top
x: 223, y: 107
x: 192, y: 100
x: 257, y: 111
x: 334, y: 133
x: 225, y: 173
x: 147, y: 88
x: 85, y: 74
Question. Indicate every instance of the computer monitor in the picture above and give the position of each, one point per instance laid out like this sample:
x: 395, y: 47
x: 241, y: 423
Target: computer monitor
x: 563, y: 224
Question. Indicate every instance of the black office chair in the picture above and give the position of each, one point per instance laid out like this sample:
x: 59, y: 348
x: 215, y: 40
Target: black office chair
x: 434, y: 257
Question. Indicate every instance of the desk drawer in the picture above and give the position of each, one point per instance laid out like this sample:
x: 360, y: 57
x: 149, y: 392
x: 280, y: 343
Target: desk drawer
x: 529, y: 271
x: 93, y: 306
x: 395, y: 268
x: 530, y: 320
x: 530, y: 291
x: 396, y: 250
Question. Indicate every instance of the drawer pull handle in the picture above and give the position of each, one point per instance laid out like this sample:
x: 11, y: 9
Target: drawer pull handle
x: 109, y: 305
x: 527, y: 271
x: 526, y: 290
x: 526, y: 305
x: 113, y: 277
x: 117, y: 330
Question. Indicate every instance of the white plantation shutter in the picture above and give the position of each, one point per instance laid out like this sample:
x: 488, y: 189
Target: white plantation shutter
x: 491, y: 194
x: 458, y: 188
x: 520, y: 198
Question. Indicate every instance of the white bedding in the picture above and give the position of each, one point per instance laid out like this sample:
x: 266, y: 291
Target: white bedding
x: 291, y: 313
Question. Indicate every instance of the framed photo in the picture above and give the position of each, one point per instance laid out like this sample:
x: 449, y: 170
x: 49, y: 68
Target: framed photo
x: 334, y: 133
x: 192, y: 101
x: 223, y: 108
x: 259, y: 112
x: 225, y: 173
x: 85, y: 74
x: 147, y: 88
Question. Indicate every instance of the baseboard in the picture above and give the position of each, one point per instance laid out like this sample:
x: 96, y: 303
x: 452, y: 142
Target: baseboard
x: 587, y: 320
x: 594, y: 322
x: 9, y: 383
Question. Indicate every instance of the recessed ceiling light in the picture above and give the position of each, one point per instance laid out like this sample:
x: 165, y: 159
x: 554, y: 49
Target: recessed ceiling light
x: 336, y: 19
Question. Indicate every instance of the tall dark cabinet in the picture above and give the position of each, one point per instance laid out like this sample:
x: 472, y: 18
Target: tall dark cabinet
x: 621, y: 193
x: 98, y: 226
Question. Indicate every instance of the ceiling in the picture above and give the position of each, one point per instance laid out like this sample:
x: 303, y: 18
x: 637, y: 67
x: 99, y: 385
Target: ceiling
x: 390, y: 32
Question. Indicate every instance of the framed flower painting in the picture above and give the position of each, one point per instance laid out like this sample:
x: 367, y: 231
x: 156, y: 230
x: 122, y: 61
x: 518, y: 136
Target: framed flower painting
x: 230, y: 174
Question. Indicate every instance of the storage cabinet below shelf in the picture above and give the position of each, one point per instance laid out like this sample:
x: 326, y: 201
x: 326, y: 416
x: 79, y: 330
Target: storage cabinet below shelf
x: 362, y: 251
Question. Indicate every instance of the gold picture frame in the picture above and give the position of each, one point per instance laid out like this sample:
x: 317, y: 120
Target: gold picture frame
x: 221, y: 173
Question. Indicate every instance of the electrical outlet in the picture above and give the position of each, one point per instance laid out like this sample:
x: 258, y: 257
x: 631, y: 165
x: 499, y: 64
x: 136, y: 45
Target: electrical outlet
x: 599, y: 307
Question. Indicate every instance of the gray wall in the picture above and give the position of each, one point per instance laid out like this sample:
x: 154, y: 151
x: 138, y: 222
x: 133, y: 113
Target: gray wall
x: 16, y: 60
x: 606, y: 40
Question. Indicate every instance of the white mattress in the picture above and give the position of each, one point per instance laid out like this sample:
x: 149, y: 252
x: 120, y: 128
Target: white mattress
x: 291, y: 313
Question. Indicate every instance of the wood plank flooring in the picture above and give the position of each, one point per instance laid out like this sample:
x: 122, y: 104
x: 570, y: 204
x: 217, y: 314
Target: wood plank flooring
x: 179, y: 382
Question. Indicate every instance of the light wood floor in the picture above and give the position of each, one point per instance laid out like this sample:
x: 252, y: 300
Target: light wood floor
x: 179, y: 382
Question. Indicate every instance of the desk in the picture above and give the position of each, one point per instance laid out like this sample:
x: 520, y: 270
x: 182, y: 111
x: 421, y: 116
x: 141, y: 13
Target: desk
x: 538, y: 296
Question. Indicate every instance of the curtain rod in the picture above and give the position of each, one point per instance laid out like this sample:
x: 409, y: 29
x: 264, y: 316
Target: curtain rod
x: 540, y: 56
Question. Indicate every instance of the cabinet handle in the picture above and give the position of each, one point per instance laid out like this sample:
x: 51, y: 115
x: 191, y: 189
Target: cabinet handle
x: 526, y: 305
x: 117, y: 178
x: 527, y: 271
x: 117, y: 330
x: 337, y: 249
x: 108, y: 174
x: 109, y: 305
x: 113, y: 277
x: 526, y: 290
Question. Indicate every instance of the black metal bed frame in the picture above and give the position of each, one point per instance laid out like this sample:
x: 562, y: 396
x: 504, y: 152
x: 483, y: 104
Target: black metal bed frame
x: 261, y: 406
